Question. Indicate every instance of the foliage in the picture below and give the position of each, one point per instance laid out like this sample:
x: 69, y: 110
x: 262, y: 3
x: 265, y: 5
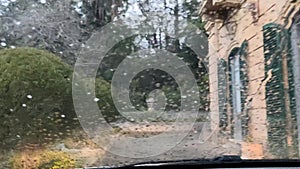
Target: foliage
x: 140, y: 90
x: 56, y: 160
x: 173, y: 97
x: 190, y: 8
x: 35, y: 89
x: 101, y: 12
x: 115, y: 56
x: 53, y: 26
x: 46, y: 159
x: 104, y: 99
x: 36, y: 97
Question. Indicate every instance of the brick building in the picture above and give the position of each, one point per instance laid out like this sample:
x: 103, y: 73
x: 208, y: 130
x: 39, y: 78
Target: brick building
x: 254, y: 60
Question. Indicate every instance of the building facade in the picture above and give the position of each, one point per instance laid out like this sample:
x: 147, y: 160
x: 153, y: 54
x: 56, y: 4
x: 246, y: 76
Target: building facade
x: 254, y: 73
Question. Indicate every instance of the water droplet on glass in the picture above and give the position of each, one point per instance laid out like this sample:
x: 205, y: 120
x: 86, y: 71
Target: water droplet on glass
x: 18, y: 23
x: 3, y: 44
x: 43, y: 1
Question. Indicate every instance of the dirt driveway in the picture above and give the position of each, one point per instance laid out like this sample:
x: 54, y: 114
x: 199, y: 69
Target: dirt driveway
x: 191, y: 147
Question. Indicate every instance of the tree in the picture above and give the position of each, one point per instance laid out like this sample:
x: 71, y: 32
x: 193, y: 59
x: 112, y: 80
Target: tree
x: 148, y: 80
x: 53, y: 26
x: 101, y: 12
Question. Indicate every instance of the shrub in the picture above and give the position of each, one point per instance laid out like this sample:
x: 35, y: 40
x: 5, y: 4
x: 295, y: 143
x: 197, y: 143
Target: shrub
x: 56, y: 160
x: 36, y: 97
x: 42, y: 159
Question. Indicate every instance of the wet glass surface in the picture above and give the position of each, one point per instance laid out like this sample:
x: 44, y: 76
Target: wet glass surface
x: 89, y: 83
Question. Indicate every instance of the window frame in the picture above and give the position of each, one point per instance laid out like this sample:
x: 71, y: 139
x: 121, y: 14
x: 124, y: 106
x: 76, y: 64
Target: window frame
x: 235, y: 86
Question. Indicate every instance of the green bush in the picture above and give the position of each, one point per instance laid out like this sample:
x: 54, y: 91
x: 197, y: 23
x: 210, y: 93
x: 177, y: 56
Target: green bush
x: 36, y: 97
x: 173, y: 97
x: 104, y: 100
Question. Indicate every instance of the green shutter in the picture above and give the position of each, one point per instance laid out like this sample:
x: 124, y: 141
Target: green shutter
x: 277, y: 43
x: 222, y: 90
x: 244, y: 89
x: 274, y: 90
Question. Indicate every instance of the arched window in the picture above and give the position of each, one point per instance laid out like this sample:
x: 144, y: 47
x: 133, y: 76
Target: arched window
x: 238, y: 83
x: 235, y: 92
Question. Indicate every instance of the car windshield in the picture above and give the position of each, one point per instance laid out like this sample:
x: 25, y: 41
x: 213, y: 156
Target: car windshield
x: 89, y: 83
